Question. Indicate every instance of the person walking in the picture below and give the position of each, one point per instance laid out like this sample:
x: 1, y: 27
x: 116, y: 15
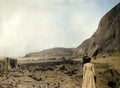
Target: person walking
x: 88, y: 75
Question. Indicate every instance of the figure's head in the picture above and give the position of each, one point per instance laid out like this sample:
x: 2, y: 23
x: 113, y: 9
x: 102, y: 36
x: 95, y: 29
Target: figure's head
x: 88, y: 59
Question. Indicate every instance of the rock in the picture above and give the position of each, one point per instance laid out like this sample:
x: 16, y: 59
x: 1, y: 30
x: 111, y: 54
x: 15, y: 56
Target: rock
x: 8, y: 63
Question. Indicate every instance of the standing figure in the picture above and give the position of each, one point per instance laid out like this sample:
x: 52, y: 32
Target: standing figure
x: 88, y: 75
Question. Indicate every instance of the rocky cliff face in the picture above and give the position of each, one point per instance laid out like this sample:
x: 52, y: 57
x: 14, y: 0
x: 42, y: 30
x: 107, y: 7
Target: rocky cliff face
x: 106, y: 40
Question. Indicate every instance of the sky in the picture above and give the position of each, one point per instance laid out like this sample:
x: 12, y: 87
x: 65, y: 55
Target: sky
x: 34, y: 25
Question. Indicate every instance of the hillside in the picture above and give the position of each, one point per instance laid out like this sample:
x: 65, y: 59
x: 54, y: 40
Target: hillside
x: 53, y: 53
x: 106, y: 40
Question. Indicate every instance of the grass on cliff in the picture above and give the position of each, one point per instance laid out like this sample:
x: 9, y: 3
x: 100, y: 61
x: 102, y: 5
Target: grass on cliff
x: 108, y: 71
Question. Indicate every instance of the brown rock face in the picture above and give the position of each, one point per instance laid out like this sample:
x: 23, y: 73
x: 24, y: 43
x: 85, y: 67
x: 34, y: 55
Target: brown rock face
x: 106, y: 40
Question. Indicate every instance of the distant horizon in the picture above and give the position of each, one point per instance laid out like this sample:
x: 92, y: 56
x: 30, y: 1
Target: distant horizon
x: 34, y: 25
x: 36, y: 52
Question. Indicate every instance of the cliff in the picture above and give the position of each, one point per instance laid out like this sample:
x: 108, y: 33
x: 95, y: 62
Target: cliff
x: 106, y: 40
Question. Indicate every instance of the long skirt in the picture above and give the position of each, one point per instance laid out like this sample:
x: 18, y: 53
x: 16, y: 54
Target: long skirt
x: 88, y: 80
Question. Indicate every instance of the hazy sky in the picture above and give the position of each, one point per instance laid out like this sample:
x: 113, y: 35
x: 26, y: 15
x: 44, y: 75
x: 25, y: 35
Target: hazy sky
x: 34, y: 25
